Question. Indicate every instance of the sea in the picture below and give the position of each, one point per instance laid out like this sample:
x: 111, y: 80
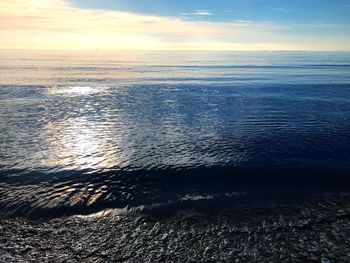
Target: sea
x: 158, y: 132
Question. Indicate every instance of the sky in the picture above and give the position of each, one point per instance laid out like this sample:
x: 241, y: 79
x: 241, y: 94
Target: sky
x: 314, y: 25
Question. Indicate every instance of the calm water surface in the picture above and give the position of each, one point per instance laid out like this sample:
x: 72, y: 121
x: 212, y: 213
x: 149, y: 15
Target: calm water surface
x: 87, y: 131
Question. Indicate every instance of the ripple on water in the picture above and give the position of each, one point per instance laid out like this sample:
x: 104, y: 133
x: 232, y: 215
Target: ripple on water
x: 151, y: 131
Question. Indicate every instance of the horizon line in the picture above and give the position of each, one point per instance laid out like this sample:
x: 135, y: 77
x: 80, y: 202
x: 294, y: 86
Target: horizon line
x: 174, y: 50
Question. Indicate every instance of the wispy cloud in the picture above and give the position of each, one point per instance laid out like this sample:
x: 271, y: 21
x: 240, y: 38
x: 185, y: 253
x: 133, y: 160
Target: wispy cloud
x: 243, y: 21
x: 197, y: 13
x: 202, y: 13
x: 60, y: 25
x: 323, y: 26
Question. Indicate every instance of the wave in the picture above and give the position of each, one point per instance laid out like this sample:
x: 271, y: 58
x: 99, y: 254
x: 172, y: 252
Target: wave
x: 39, y: 194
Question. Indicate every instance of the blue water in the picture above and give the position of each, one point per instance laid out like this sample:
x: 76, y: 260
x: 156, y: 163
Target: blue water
x: 86, y: 131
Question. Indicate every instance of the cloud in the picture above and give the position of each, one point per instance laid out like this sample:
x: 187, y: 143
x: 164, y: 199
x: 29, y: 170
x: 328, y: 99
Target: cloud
x: 243, y: 21
x: 57, y: 24
x: 202, y: 13
x: 199, y: 13
x: 324, y: 26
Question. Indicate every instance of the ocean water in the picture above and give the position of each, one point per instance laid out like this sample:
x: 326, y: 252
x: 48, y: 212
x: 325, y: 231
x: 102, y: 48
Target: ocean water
x: 83, y: 132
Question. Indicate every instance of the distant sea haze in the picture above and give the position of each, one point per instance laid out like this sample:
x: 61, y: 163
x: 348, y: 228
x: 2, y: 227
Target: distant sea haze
x: 83, y: 132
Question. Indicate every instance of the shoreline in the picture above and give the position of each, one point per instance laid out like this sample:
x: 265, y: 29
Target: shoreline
x: 315, y: 231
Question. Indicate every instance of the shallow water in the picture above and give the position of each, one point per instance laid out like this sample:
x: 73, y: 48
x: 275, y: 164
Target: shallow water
x: 87, y: 131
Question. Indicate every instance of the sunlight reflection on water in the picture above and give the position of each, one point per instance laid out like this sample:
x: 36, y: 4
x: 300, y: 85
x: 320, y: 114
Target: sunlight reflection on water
x: 74, y: 90
x: 78, y: 144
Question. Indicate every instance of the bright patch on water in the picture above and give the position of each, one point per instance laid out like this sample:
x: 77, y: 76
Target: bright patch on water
x: 75, y: 90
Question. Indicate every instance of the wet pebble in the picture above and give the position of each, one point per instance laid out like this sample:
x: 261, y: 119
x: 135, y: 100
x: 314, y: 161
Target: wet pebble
x: 311, y: 234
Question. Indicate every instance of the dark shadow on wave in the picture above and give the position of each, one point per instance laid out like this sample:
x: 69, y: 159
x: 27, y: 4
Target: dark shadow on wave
x: 37, y: 194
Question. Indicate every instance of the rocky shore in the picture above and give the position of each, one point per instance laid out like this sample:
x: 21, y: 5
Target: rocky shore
x: 315, y: 231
